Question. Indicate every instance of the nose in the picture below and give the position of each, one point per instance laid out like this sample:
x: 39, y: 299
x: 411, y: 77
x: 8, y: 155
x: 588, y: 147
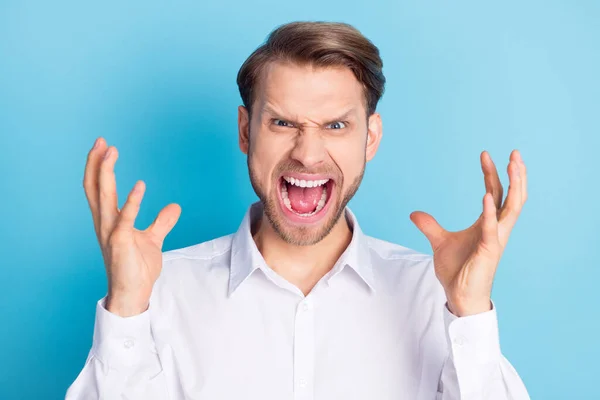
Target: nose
x: 309, y: 149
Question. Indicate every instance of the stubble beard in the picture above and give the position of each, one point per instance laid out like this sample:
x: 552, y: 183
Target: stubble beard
x: 301, y: 236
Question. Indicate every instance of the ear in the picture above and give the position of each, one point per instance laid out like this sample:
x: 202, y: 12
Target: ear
x: 374, y: 133
x: 243, y: 129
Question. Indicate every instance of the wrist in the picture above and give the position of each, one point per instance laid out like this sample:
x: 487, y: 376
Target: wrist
x: 466, y: 308
x: 125, y: 305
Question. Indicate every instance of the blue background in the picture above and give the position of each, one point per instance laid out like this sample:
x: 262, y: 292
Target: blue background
x: 158, y: 81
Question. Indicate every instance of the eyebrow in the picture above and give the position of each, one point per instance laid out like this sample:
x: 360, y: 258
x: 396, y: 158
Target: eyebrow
x: 267, y: 109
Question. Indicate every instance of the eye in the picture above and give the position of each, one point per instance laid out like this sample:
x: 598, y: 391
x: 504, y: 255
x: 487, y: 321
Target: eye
x: 280, y: 122
x: 337, y: 125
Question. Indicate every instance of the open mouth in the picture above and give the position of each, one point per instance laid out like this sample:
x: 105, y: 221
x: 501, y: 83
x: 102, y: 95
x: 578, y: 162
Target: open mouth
x: 305, y: 200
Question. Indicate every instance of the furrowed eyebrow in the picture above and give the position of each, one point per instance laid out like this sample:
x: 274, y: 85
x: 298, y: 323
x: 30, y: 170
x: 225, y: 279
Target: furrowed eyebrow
x: 268, y: 110
x: 342, y: 117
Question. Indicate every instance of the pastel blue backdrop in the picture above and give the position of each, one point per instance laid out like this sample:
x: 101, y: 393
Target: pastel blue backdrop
x: 158, y: 81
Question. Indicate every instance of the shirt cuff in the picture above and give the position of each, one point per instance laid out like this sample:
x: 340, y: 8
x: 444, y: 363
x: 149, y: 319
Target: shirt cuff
x: 473, y: 339
x: 121, y: 342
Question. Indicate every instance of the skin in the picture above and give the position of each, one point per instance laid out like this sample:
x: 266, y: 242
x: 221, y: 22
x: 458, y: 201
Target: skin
x: 309, y: 100
x: 296, y: 127
x: 466, y: 261
x: 132, y: 257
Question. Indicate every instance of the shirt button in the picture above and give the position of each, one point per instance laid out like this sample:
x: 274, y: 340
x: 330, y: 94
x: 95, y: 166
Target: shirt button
x: 305, y: 306
x: 302, y: 383
x: 459, y: 340
x: 128, y: 343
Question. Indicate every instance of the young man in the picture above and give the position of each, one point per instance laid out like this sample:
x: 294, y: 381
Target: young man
x: 299, y: 303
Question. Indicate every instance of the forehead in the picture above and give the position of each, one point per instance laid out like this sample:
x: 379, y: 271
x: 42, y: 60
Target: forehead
x: 308, y: 90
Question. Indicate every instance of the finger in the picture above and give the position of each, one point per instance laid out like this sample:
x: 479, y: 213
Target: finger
x: 512, y: 204
x: 90, y: 179
x: 523, y: 173
x: 131, y: 207
x: 429, y: 227
x: 165, y: 221
x: 489, y: 225
x: 108, y: 192
x: 491, y: 178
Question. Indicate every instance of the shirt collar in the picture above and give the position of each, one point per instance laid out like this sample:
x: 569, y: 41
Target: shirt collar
x: 245, y: 257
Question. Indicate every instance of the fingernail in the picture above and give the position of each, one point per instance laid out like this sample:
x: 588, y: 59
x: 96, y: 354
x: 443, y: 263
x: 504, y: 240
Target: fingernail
x: 518, y: 169
x: 107, y: 153
x: 96, y: 143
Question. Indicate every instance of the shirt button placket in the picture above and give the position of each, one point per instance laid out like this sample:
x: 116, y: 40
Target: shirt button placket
x: 304, y: 349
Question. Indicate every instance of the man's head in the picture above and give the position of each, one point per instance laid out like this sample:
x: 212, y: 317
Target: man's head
x: 308, y: 124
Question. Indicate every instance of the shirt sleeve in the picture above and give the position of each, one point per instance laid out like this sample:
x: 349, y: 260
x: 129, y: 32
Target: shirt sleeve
x: 475, y: 367
x: 122, y: 363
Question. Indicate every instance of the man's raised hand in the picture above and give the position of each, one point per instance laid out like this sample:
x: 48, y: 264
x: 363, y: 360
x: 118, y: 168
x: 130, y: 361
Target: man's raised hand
x: 132, y: 257
x: 465, y: 261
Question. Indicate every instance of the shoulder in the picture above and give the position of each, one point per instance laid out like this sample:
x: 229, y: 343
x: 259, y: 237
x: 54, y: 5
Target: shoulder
x: 402, y: 269
x: 201, y: 263
x: 204, y: 251
x: 393, y: 254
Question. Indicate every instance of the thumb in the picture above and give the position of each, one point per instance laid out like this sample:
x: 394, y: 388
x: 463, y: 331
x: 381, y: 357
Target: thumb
x: 429, y: 226
x: 489, y: 228
x: 165, y: 221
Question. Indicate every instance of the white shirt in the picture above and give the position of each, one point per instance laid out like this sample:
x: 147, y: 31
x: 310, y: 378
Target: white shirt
x: 223, y: 325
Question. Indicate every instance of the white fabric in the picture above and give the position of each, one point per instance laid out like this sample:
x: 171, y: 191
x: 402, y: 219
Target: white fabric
x: 223, y: 325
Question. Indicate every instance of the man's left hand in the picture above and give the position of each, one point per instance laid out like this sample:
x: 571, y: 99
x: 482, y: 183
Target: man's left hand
x: 465, y: 261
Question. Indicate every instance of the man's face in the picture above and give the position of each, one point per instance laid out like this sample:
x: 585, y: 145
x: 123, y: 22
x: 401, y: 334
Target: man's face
x: 307, y: 143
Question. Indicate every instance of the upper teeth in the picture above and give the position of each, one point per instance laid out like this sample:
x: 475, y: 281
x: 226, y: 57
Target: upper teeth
x: 305, y: 183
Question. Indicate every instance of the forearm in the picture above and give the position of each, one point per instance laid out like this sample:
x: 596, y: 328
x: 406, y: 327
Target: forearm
x: 475, y: 367
x: 123, y: 362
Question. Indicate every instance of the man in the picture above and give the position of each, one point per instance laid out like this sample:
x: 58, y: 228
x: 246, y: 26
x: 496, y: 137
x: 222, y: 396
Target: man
x: 299, y: 303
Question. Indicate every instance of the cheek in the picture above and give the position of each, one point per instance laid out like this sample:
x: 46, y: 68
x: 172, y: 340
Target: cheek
x: 349, y: 155
x: 267, y: 152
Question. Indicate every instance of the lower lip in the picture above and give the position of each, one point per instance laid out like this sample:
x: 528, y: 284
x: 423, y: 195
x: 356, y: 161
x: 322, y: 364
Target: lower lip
x: 298, y: 219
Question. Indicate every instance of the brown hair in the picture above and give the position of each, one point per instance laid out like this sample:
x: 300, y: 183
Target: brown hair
x: 321, y: 44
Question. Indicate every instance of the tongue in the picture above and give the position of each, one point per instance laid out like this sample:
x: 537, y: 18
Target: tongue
x: 304, y: 200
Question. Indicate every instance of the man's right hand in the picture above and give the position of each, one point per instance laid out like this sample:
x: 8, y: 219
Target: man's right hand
x: 133, y: 258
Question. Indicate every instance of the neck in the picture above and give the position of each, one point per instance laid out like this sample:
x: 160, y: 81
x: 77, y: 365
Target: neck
x: 303, y: 266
